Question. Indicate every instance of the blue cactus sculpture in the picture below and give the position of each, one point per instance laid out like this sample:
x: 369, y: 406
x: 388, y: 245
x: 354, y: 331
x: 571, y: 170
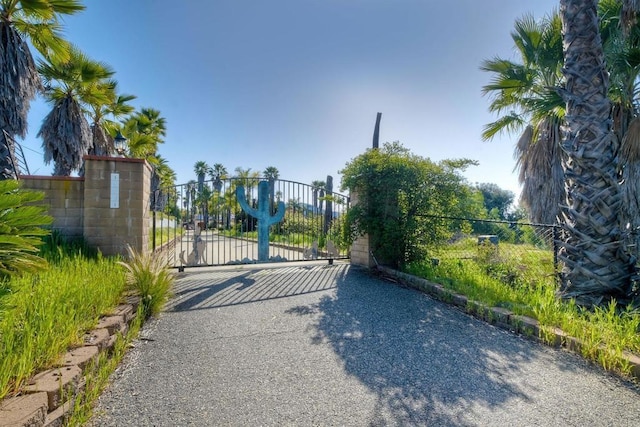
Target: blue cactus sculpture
x: 263, y: 215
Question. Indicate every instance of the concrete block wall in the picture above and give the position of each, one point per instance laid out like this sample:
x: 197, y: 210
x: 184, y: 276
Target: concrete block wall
x: 65, y: 198
x: 82, y: 206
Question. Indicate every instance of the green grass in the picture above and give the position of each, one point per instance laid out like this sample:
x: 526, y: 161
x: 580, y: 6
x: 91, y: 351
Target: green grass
x: 42, y: 315
x: 164, y: 235
x: 521, y: 279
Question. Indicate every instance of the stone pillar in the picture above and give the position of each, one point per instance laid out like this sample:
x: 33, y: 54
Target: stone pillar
x: 360, y: 249
x: 116, y: 204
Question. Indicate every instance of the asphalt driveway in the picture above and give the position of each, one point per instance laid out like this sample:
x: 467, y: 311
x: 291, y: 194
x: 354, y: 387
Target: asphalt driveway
x: 313, y: 344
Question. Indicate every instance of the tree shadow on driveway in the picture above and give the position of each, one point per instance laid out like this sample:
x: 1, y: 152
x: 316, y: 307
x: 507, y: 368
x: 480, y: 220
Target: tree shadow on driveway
x: 426, y: 363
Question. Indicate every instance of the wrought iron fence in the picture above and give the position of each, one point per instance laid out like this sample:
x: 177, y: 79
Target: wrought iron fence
x: 526, y: 248
x: 204, y: 223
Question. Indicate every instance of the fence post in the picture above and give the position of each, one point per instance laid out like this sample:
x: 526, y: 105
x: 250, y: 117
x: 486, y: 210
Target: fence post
x: 361, y: 248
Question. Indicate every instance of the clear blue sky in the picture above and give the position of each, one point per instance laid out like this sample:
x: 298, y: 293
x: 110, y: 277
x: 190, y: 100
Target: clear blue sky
x: 296, y: 84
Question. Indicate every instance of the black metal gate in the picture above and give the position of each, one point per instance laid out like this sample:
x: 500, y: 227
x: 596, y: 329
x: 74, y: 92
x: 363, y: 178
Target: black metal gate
x: 248, y: 220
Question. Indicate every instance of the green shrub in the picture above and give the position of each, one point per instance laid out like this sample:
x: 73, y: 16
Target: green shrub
x: 398, y: 195
x: 150, y: 277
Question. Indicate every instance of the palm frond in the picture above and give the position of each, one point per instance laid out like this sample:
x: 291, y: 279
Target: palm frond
x: 509, y: 123
x: 66, y: 136
x: 20, y: 81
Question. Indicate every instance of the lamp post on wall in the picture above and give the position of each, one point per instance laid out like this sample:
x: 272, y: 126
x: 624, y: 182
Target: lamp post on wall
x: 120, y: 144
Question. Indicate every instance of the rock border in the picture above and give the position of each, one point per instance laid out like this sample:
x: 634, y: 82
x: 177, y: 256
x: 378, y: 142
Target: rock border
x: 503, y: 318
x: 48, y: 398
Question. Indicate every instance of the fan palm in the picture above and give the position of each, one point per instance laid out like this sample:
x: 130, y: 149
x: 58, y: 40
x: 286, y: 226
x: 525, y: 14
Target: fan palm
x: 145, y: 129
x: 21, y: 22
x: 165, y: 172
x: 596, y: 268
x: 247, y: 179
x: 71, y: 86
x: 103, y: 128
x: 200, y: 169
x: 317, y: 188
x: 621, y: 40
x: 527, y: 92
x: 217, y: 173
x: 271, y: 173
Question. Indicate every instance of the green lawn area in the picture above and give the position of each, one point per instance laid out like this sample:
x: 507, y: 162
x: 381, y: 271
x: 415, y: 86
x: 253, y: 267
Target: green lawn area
x: 522, y: 279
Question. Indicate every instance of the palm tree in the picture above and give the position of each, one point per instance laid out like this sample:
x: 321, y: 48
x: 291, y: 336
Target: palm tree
x: 271, y: 173
x: 527, y: 92
x: 70, y: 86
x: 621, y: 43
x: 217, y: 173
x: 20, y: 22
x: 165, y: 172
x: 103, y: 128
x: 248, y: 179
x: 190, y: 196
x: 317, y: 187
x: 200, y: 169
x: 145, y: 129
x: 596, y: 267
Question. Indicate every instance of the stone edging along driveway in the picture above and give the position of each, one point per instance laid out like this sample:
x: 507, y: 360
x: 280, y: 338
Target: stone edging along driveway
x: 503, y: 318
x: 48, y: 398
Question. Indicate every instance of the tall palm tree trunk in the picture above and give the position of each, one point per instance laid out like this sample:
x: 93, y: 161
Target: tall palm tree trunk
x: 596, y: 266
x: 18, y: 86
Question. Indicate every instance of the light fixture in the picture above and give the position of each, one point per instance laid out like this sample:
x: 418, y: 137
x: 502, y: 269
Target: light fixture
x: 120, y: 144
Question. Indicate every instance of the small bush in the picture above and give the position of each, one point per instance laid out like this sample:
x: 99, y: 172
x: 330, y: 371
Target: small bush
x: 150, y: 277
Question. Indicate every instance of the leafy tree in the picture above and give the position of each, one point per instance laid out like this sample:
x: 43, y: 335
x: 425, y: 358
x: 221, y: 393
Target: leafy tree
x: 71, y: 85
x: 21, y: 229
x: 396, y: 194
x: 495, y: 198
x: 21, y: 22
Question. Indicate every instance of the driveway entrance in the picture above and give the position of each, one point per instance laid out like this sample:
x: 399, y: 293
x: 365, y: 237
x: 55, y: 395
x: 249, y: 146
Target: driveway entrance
x: 316, y: 344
